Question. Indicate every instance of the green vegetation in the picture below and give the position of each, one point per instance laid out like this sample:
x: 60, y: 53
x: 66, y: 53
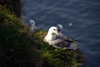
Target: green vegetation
x: 57, y: 57
x: 21, y: 48
x: 16, y: 49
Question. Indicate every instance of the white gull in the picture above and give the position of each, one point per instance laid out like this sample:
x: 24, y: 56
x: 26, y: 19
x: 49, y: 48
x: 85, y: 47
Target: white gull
x: 32, y: 26
x: 57, y: 41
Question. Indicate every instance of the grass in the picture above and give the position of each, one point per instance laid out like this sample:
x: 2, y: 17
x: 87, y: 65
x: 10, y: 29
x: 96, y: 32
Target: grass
x: 21, y: 48
x: 17, y: 50
x: 58, y: 57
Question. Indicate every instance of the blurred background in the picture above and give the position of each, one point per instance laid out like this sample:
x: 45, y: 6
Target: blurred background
x: 80, y: 20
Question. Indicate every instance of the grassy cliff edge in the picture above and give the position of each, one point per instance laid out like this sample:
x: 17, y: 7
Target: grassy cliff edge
x: 21, y: 48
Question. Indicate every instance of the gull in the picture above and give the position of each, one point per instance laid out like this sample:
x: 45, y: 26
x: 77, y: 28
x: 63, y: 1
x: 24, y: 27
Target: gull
x: 32, y: 26
x: 57, y: 41
x: 59, y: 27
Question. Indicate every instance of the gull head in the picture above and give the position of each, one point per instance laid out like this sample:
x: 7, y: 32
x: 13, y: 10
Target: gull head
x: 51, y: 34
x: 59, y: 27
x: 32, y: 23
x: 53, y: 30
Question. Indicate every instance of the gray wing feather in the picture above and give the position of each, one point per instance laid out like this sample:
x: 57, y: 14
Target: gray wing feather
x: 61, y: 42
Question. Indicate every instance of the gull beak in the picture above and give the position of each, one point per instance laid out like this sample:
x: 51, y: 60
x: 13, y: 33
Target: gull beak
x: 57, y: 33
x: 59, y: 30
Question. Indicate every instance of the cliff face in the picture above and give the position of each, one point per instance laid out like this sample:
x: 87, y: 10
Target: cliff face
x: 21, y: 48
x: 16, y: 50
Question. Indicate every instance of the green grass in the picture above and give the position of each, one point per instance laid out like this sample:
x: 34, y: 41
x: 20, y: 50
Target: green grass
x: 58, y: 57
x: 17, y: 50
x: 21, y: 48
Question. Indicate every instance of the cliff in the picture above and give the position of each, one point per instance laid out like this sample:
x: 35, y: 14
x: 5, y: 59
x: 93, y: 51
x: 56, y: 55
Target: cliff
x: 21, y: 48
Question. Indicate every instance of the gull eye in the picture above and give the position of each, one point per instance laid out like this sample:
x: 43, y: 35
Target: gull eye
x: 54, y: 29
x: 58, y: 27
x: 32, y: 22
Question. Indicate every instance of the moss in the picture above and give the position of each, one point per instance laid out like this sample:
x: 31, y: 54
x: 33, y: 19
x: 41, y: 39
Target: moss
x: 21, y: 48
